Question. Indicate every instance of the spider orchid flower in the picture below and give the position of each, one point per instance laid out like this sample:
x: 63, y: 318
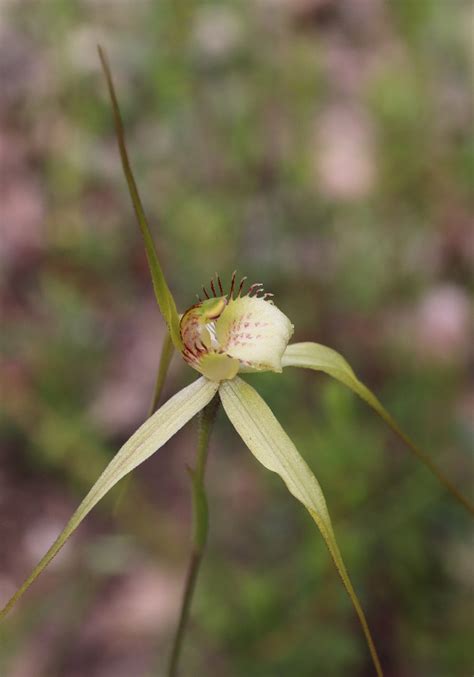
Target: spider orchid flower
x: 220, y: 337
x: 223, y: 335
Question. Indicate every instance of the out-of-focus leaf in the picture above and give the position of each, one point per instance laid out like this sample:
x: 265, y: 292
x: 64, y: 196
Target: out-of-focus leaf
x: 266, y: 439
x: 321, y: 358
x: 152, y: 435
x: 163, y: 295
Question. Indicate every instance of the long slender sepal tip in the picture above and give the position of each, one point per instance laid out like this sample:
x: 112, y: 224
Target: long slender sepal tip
x: 321, y: 358
x: 152, y: 435
x: 266, y: 439
x: 163, y: 294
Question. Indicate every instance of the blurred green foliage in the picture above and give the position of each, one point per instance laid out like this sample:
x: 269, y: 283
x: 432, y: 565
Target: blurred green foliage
x: 325, y: 149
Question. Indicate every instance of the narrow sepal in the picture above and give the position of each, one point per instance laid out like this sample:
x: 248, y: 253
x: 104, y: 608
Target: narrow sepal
x: 266, y: 439
x: 321, y: 358
x: 163, y: 295
x: 152, y: 435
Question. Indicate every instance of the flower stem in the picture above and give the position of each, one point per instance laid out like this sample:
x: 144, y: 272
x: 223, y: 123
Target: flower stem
x: 200, y: 529
x: 165, y: 359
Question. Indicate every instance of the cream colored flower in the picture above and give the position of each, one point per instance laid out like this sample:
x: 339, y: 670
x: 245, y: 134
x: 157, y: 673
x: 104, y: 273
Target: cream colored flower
x: 227, y: 334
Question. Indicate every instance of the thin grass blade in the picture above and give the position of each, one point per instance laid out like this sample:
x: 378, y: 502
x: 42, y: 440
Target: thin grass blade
x: 266, y: 439
x: 152, y: 435
x: 321, y: 358
x: 163, y: 295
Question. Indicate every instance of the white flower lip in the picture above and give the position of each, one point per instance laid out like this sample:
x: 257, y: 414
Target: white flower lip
x: 223, y: 336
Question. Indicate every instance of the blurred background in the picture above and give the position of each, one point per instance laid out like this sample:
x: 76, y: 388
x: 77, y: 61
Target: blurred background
x: 325, y: 148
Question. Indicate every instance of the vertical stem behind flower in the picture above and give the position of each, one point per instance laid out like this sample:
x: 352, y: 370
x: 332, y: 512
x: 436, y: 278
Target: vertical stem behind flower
x: 165, y: 359
x: 200, y: 529
x: 164, y: 363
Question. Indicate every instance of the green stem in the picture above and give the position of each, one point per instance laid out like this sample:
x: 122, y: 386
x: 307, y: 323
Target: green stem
x: 165, y: 359
x: 200, y: 529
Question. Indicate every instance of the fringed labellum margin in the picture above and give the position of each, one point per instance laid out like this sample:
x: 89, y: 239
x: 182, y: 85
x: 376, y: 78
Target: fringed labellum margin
x: 229, y: 333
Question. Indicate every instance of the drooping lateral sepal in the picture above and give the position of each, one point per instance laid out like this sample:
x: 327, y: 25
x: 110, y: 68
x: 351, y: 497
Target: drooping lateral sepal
x: 266, y: 439
x: 152, y: 435
x: 321, y: 358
